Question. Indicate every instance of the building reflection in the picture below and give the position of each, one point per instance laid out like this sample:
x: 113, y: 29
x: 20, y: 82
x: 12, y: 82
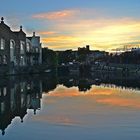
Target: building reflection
x: 18, y: 94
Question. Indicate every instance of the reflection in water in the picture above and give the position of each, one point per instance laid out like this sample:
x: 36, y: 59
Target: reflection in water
x: 18, y: 94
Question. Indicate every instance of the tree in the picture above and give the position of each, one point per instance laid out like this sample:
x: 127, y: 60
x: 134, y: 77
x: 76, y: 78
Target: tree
x: 49, y: 57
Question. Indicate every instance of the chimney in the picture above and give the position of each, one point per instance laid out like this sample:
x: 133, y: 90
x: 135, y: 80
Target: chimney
x: 33, y: 33
x: 2, y: 20
x: 20, y: 28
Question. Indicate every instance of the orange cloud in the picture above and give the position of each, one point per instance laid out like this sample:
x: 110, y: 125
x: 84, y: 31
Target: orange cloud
x: 61, y: 41
x: 101, y: 33
x: 56, y: 15
x: 100, y: 95
x: 121, y: 102
x: 61, y: 38
x: 62, y: 91
x: 86, y: 26
x: 47, y: 32
x: 100, y: 91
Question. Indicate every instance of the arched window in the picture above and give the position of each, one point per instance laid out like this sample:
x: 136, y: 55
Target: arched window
x: 28, y: 46
x: 12, y: 50
x: 2, y: 44
x: 4, y: 91
x: 12, y: 44
x: 21, y: 47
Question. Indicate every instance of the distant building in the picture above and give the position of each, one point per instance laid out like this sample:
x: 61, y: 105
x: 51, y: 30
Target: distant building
x: 87, y: 48
x: 17, y: 50
x: 96, y: 54
x: 91, y: 55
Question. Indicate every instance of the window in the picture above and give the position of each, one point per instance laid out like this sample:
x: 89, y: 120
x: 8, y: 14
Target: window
x: 4, y: 59
x: 21, y: 47
x: 12, y: 50
x: 36, y: 49
x: 0, y: 59
x: 12, y: 44
x: 2, y: 107
x: 2, y: 44
x: 28, y: 86
x: 15, y: 60
x: 28, y: 47
x: 4, y: 91
x: 22, y: 61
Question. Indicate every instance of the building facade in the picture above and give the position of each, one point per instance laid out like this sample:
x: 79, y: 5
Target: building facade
x: 18, y: 51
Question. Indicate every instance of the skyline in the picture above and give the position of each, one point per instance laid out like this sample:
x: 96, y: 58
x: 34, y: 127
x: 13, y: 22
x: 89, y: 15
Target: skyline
x: 64, y: 25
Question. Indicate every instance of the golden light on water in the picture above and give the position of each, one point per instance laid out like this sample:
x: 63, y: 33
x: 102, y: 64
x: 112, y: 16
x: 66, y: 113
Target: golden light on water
x: 100, y: 95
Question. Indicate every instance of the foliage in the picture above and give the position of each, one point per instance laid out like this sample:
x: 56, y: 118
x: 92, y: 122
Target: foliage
x: 49, y: 57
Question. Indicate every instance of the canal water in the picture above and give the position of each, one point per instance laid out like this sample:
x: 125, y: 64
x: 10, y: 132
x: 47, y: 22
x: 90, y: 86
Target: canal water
x: 51, y: 107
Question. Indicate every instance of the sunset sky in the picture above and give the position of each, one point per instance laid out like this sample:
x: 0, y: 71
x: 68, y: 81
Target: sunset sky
x: 68, y: 24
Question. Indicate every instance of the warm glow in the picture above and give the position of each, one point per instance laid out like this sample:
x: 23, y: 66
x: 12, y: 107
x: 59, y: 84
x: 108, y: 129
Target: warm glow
x: 74, y: 28
x: 121, y: 102
x: 47, y: 33
x: 102, y: 95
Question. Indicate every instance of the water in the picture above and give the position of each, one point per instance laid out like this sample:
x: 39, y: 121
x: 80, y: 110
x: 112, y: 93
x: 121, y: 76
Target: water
x: 66, y: 108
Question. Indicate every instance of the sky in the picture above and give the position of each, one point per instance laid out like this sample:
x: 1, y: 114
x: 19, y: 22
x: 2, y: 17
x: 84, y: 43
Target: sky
x: 102, y: 24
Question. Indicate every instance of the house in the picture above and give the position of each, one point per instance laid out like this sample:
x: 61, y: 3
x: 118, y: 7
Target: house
x: 18, y: 51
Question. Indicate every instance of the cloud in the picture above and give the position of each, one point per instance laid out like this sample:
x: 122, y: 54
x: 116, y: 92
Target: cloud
x: 87, y: 26
x: 59, y: 41
x: 47, y: 32
x: 60, y: 120
x: 56, y: 15
x: 61, y: 38
x: 13, y: 21
x: 120, y: 102
x: 99, y: 95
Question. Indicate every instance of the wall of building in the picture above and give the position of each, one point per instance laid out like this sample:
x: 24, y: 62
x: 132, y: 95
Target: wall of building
x: 14, y: 52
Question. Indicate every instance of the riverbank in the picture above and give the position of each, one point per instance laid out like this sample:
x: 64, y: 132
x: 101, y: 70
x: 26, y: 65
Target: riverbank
x: 117, y: 68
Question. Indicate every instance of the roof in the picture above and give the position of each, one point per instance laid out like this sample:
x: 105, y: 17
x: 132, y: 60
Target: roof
x: 30, y: 38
